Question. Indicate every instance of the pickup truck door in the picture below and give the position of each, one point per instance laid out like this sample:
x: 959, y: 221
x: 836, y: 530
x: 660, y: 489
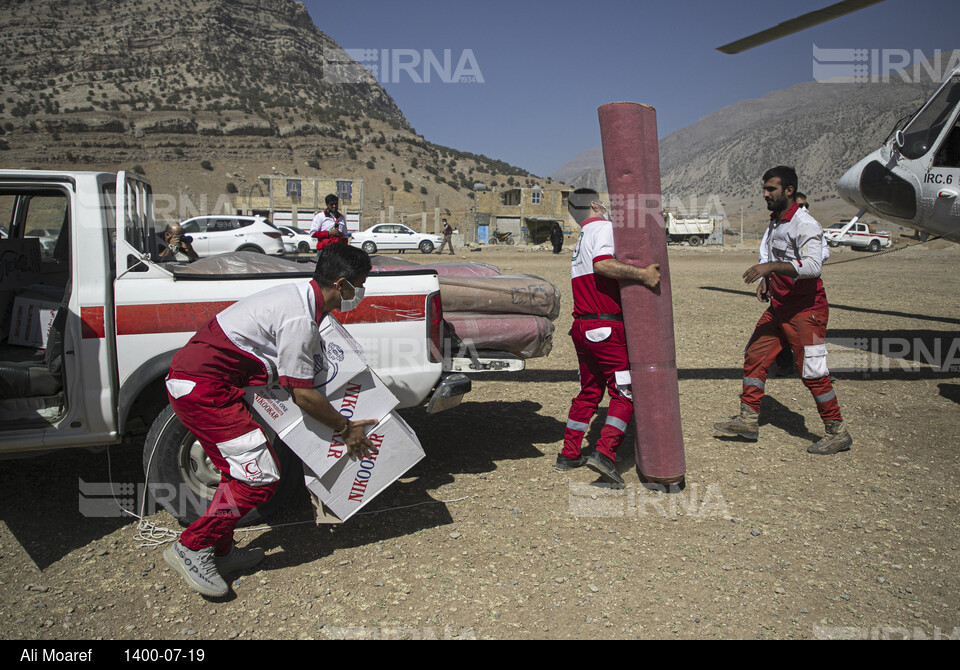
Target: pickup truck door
x: 78, y: 363
x: 146, y: 311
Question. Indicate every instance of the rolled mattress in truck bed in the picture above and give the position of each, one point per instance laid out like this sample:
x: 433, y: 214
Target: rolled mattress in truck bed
x: 504, y: 294
x: 523, y: 335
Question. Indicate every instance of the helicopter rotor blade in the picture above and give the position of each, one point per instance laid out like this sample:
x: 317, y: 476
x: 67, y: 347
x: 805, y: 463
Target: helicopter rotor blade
x: 803, y: 22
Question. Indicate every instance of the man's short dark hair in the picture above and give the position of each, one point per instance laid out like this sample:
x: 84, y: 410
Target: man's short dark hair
x: 341, y: 260
x: 582, y: 197
x: 331, y: 198
x: 787, y: 176
x: 580, y: 201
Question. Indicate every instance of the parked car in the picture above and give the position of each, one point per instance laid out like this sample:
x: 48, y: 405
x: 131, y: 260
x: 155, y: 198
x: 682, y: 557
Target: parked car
x: 47, y: 242
x: 297, y: 240
x: 394, y: 236
x: 225, y: 233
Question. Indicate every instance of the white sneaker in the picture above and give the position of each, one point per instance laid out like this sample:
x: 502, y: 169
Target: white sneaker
x: 197, y: 569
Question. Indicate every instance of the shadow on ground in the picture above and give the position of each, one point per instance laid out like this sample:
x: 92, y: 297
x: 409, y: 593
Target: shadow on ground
x: 58, y: 503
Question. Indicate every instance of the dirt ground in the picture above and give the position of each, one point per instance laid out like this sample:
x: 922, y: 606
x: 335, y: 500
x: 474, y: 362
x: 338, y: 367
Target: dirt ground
x: 489, y: 541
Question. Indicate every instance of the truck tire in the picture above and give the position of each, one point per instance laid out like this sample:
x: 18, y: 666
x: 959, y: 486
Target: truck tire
x: 181, y: 478
x: 874, y: 246
x: 694, y: 241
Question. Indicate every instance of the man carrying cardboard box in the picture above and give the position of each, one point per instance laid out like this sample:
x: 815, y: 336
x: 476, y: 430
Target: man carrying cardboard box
x: 268, y: 338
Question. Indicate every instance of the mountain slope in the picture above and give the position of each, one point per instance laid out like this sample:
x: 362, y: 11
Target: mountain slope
x: 820, y: 129
x: 205, y: 95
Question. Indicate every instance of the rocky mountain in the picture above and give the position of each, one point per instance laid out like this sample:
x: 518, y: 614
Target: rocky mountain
x: 819, y: 128
x: 205, y: 95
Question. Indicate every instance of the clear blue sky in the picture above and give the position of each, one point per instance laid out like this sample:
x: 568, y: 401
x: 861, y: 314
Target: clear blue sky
x: 547, y: 66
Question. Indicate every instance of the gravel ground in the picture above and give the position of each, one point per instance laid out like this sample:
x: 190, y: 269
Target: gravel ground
x: 765, y: 541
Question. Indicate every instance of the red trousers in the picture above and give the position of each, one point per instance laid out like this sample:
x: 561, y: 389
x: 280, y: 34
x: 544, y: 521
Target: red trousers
x: 806, y: 333
x: 216, y: 415
x: 602, y: 352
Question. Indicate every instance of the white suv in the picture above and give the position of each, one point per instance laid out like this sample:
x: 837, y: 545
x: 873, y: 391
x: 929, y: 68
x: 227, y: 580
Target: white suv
x: 225, y: 232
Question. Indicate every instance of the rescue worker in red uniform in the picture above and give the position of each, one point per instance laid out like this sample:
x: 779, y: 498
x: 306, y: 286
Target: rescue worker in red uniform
x: 270, y: 338
x: 598, y: 337
x: 329, y: 226
x: 798, y: 312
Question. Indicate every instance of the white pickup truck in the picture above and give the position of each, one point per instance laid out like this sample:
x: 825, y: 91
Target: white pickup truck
x: 859, y: 235
x: 113, y: 317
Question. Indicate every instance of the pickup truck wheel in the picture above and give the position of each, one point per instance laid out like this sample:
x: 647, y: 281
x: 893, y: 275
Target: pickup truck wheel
x: 874, y: 246
x: 694, y: 241
x: 370, y: 248
x: 426, y: 247
x: 251, y: 247
x: 181, y: 478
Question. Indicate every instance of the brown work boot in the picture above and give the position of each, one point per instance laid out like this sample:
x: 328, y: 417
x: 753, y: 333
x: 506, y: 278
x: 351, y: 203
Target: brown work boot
x: 746, y: 425
x: 837, y: 439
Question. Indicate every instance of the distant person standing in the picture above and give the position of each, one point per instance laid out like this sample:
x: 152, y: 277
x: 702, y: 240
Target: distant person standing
x: 329, y: 226
x: 556, y: 237
x: 447, y: 237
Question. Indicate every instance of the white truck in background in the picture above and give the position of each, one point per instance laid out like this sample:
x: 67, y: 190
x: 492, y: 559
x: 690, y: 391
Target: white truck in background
x: 694, y: 231
x: 859, y: 235
x: 116, y: 316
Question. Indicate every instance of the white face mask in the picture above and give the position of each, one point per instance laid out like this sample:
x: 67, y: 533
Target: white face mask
x: 604, y: 212
x: 347, y: 305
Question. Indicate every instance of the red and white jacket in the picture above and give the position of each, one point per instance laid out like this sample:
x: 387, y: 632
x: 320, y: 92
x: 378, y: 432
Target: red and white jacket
x: 796, y: 238
x: 328, y: 229
x: 593, y: 293
x: 270, y: 337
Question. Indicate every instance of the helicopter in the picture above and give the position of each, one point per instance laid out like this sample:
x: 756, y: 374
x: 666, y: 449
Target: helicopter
x: 914, y: 178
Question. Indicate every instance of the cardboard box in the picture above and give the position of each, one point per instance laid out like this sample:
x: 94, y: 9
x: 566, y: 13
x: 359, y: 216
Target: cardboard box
x: 343, y: 484
x: 351, y: 483
x: 342, y: 358
x: 31, y: 320
x: 341, y: 361
x: 318, y: 446
x: 275, y: 407
x: 19, y: 267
